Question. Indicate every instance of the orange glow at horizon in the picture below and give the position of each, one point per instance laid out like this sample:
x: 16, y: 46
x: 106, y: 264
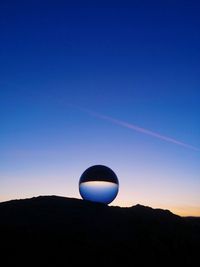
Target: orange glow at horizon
x: 178, y: 210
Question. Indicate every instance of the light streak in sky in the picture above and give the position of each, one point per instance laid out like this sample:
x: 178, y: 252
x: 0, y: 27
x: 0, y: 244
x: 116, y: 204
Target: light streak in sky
x: 139, y: 129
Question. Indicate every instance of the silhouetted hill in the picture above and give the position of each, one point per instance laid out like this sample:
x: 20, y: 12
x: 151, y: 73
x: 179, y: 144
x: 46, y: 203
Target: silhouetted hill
x: 59, y: 231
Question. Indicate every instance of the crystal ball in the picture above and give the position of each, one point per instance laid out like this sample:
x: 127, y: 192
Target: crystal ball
x: 99, y: 183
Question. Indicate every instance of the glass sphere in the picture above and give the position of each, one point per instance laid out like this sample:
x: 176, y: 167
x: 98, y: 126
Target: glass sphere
x: 99, y: 184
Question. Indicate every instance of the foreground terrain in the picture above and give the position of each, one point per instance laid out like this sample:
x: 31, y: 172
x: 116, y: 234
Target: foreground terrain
x: 58, y: 231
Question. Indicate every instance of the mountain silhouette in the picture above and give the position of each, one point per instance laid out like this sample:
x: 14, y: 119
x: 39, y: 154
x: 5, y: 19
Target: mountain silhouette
x: 60, y: 231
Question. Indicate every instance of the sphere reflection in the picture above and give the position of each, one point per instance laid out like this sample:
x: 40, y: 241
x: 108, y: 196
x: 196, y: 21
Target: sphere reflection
x: 99, y: 184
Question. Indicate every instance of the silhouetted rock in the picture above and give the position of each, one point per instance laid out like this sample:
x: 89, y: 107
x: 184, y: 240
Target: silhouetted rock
x: 59, y: 231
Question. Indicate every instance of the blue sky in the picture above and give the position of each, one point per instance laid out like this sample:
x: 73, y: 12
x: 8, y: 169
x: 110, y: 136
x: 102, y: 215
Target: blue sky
x: 137, y: 63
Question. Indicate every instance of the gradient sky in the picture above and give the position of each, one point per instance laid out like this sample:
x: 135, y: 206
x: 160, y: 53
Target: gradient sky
x: 83, y: 85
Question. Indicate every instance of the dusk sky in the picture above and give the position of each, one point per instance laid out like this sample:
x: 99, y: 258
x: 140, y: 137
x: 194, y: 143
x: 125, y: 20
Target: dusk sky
x: 110, y: 84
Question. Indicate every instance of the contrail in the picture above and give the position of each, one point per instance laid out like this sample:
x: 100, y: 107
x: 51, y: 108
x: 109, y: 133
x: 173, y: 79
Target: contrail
x: 139, y: 129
